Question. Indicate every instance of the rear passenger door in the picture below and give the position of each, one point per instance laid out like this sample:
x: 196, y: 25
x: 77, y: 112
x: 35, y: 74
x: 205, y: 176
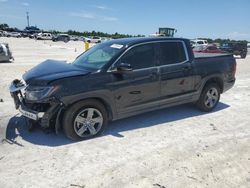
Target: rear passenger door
x: 176, y: 75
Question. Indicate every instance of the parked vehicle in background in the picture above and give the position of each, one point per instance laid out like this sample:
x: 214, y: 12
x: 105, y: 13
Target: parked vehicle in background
x: 61, y: 37
x: 5, y: 53
x: 44, y: 36
x: 24, y: 34
x: 104, y: 39
x: 207, y: 49
x: 156, y: 35
x: 12, y: 34
x: 92, y: 39
x: 33, y: 36
x: 80, y: 38
x: 198, y: 42
x: 121, y: 78
x: 74, y: 38
x: 248, y: 45
x: 32, y: 30
x: 236, y: 48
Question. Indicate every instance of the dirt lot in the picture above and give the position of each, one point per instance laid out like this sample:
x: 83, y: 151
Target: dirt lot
x: 175, y: 147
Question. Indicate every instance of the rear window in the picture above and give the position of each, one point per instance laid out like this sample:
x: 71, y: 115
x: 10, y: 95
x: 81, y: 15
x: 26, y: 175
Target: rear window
x: 172, y: 52
x: 212, y: 48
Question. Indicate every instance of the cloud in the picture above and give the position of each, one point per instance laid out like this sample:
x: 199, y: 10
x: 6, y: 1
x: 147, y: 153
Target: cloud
x: 91, y: 15
x: 3, y: 1
x: 25, y: 4
x: 101, y: 7
x: 238, y: 36
x: 106, y: 18
x: 83, y: 15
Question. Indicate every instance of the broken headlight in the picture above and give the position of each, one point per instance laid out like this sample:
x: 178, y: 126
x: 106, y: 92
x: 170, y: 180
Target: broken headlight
x: 39, y: 92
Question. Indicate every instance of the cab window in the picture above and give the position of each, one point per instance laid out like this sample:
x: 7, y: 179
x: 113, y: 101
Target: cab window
x: 172, y: 53
x: 140, y: 57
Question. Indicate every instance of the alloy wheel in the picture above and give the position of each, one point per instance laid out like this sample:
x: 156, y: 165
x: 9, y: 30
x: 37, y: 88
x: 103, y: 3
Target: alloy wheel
x: 88, y: 122
x: 212, y: 97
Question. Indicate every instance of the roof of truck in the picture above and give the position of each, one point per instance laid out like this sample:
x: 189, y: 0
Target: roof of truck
x: 135, y: 40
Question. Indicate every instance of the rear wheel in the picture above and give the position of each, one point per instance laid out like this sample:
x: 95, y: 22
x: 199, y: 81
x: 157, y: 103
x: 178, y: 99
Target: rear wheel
x: 209, y: 97
x: 84, y: 120
x: 66, y: 40
x: 243, y: 56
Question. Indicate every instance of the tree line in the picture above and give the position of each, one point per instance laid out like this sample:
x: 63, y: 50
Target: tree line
x: 222, y: 41
x: 5, y: 27
x: 102, y: 34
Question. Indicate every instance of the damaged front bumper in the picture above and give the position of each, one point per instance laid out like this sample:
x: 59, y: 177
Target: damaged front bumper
x: 31, y: 114
x: 46, y: 113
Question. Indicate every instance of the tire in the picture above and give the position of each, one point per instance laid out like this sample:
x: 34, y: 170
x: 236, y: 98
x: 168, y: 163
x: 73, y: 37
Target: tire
x: 205, y: 103
x: 243, y: 56
x: 78, y: 125
x: 66, y: 40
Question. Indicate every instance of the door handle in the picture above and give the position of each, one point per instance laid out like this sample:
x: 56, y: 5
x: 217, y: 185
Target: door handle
x: 153, y: 75
x: 186, y: 69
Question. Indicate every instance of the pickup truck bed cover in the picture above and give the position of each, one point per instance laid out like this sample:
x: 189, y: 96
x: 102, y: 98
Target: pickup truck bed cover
x: 205, y: 55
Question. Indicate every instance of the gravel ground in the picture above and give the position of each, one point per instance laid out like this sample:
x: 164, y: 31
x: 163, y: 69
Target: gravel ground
x: 175, y: 147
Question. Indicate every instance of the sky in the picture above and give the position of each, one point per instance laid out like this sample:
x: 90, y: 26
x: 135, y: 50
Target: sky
x: 191, y: 18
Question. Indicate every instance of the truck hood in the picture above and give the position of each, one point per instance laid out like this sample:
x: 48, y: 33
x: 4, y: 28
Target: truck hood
x: 51, y: 70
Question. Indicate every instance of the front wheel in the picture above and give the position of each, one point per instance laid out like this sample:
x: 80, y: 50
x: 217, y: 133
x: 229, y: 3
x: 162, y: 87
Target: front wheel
x: 84, y: 120
x: 209, y: 97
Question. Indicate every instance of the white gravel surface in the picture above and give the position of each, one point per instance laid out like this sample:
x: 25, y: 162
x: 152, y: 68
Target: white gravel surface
x: 175, y: 147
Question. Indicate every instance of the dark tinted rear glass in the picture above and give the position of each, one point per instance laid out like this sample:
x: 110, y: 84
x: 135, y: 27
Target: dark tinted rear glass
x: 212, y: 48
x: 172, y: 52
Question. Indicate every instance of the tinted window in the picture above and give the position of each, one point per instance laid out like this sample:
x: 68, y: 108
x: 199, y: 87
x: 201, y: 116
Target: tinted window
x: 172, y: 52
x: 140, y: 56
x: 212, y: 48
x: 200, y: 42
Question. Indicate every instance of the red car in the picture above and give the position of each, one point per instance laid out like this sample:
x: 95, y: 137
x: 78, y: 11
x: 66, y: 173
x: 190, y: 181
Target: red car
x: 207, y: 49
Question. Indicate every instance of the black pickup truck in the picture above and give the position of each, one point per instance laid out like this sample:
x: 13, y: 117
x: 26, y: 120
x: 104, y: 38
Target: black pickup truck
x: 118, y: 79
x: 236, y: 48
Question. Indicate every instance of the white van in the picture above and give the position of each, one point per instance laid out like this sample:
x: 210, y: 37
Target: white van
x: 198, y: 42
x: 44, y: 36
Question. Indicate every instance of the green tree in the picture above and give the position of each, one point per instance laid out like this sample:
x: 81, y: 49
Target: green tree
x: 4, y: 26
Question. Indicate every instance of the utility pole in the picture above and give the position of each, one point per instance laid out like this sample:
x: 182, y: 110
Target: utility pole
x: 28, y: 19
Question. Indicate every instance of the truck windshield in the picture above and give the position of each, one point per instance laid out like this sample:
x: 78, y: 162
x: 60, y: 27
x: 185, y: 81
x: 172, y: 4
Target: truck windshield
x: 99, y: 55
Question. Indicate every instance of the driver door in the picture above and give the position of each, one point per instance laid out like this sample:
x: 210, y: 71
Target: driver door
x: 137, y: 90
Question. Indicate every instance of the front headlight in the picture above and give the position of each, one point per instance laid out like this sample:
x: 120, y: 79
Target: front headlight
x: 39, y: 92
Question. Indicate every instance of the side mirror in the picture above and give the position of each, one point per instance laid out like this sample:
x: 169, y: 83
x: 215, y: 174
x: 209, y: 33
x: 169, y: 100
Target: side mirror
x: 123, y: 67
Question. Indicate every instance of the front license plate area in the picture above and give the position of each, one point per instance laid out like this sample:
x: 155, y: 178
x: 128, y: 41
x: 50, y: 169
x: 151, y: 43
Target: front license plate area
x: 27, y: 114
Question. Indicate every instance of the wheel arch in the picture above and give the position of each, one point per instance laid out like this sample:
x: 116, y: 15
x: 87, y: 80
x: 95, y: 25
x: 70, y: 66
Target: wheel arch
x: 214, y: 79
x: 108, y: 106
